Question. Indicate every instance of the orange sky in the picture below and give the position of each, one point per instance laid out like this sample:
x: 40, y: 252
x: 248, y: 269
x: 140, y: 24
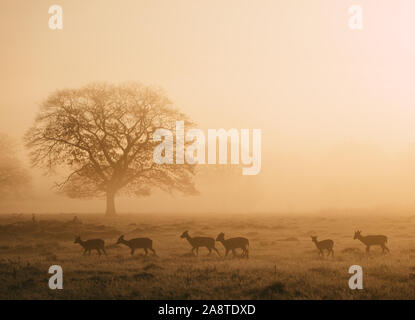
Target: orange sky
x: 336, y: 107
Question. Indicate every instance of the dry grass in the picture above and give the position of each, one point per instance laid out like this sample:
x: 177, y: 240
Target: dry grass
x: 283, y: 263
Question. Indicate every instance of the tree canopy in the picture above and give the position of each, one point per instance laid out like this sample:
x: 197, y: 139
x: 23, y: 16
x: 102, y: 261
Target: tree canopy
x: 103, y: 134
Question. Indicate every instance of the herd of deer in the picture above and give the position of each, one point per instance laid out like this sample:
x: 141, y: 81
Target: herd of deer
x: 229, y: 244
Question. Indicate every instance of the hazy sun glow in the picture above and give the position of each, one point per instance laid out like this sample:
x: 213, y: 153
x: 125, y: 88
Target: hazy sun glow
x: 336, y: 107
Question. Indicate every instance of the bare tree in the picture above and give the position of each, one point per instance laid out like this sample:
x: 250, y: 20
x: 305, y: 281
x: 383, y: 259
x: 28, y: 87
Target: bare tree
x: 14, y: 179
x: 103, y: 134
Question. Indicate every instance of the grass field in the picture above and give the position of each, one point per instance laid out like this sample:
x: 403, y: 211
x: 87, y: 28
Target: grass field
x: 283, y: 263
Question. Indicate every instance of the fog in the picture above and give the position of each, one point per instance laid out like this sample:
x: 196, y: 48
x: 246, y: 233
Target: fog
x: 335, y: 106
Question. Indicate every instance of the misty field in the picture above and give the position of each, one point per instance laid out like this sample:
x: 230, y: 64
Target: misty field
x: 283, y: 263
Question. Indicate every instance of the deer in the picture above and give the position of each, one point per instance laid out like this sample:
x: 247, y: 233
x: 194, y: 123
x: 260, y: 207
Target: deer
x: 93, y: 244
x: 324, y: 245
x: 368, y: 241
x: 138, y: 243
x: 198, y: 242
x: 234, y: 243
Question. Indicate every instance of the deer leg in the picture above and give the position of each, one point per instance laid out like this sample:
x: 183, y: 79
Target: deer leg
x: 145, y: 249
x: 193, y: 250
x: 367, y: 249
x: 210, y: 251
x: 197, y: 251
x: 132, y: 251
x: 99, y: 252
x: 246, y: 253
x: 105, y: 252
x: 84, y: 252
x: 216, y: 251
x: 227, y: 251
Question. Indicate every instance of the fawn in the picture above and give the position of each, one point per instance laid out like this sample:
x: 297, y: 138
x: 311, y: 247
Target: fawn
x: 138, y: 243
x: 198, y: 242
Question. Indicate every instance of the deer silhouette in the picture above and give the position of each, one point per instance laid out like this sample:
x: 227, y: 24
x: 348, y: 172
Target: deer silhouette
x: 93, y: 244
x: 138, y: 243
x: 198, y: 242
x: 368, y: 241
x: 324, y: 245
x: 234, y: 243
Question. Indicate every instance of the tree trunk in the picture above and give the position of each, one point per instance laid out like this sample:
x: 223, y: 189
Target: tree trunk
x: 110, y: 212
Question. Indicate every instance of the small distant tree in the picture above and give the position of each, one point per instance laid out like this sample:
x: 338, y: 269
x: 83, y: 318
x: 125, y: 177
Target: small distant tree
x: 103, y: 134
x: 14, y: 179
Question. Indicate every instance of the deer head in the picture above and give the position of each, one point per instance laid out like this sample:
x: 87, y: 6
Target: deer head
x: 120, y: 239
x: 220, y: 237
